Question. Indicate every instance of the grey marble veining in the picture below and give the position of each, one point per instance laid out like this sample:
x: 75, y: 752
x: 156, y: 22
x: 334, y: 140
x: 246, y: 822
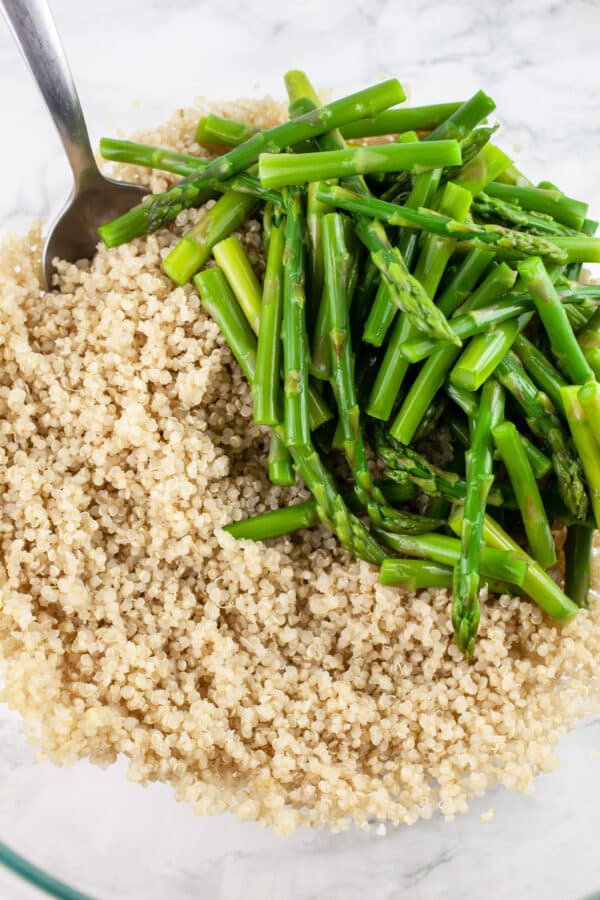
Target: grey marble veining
x: 135, y: 61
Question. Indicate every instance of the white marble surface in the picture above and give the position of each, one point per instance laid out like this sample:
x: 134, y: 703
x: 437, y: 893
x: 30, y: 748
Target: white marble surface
x: 134, y: 61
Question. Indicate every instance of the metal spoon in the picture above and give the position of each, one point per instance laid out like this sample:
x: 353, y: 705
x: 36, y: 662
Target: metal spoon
x: 94, y: 198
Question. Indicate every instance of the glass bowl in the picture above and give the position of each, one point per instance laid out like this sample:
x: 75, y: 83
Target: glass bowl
x: 93, y: 830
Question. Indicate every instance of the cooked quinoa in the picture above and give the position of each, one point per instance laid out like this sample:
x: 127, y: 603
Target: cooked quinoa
x: 278, y: 681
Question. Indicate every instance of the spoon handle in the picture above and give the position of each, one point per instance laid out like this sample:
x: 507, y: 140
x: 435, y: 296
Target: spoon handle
x: 35, y: 32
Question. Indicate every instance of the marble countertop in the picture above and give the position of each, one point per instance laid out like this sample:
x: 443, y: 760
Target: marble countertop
x: 134, y: 62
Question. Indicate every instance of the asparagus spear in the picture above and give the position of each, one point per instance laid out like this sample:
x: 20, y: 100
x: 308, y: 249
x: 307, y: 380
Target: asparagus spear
x: 578, y: 556
x: 518, y: 243
x: 564, y: 344
x: 432, y: 375
x: 281, y: 470
x: 384, y: 309
x: 543, y: 421
x: 466, y: 400
x: 268, y: 390
x: 299, y: 87
x: 436, y: 251
x: 233, y: 261
x: 480, y: 460
x: 538, y: 585
x: 366, y: 288
x: 332, y: 510
x: 407, y: 292
x: 492, y: 209
x: 267, y: 223
x: 553, y: 203
x: 395, y: 121
x: 464, y: 119
x: 152, y: 157
x: 213, y: 129
x: 589, y: 341
x: 586, y: 443
x: 277, y: 170
x: 315, y: 210
x: 390, y: 373
x: 240, y: 276
x: 539, y: 462
x: 483, y: 354
x: 578, y: 248
x: 431, y: 419
x: 535, y: 520
x: 217, y: 298
x: 161, y: 209
x: 380, y: 316
x: 278, y: 522
x: 489, y: 163
x: 500, y: 565
x: 589, y: 227
x: 295, y: 355
x: 227, y: 215
x: 400, y: 461
x: 184, y: 164
x: 302, y: 95
x: 415, y: 574
x: 467, y: 276
x: 470, y: 147
x: 422, y: 193
x: 589, y: 397
x: 394, y: 365
x: 466, y: 326
x: 304, y: 98
x: 336, y: 265
x: 541, y: 370
x: 321, y: 349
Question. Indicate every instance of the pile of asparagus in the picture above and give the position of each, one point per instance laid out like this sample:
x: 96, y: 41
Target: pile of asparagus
x: 412, y: 283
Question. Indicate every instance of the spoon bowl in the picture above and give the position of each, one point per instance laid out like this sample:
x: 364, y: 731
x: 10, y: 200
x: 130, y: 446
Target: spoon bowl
x: 74, y: 233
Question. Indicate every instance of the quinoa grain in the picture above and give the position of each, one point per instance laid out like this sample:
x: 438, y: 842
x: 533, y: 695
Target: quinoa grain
x: 280, y: 681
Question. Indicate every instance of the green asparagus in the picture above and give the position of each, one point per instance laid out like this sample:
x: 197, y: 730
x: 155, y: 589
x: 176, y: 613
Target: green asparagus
x: 516, y: 243
x: 538, y: 585
x: 480, y: 460
x: 586, y: 443
x: 395, y: 121
x: 268, y: 400
x: 531, y: 506
x: 578, y: 557
x: 213, y: 129
x: 161, y: 209
x: 542, y: 418
x: 277, y: 170
x: 500, y: 565
x: 567, y: 351
x: 417, y: 263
